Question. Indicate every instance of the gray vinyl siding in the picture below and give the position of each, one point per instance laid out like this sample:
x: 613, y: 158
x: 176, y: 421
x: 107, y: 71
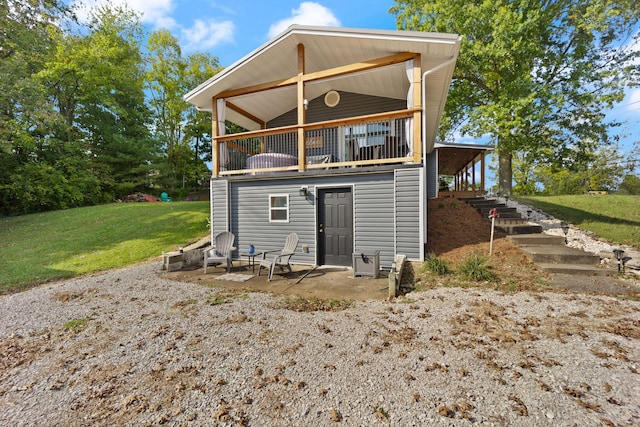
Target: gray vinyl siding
x: 374, y: 222
x: 385, y: 208
x: 407, y: 205
x: 250, y: 218
x: 219, y: 207
x: 432, y: 174
x: 351, y: 104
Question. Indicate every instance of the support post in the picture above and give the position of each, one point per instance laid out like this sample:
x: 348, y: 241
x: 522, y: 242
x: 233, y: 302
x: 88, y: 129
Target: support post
x: 215, y: 163
x: 302, y: 158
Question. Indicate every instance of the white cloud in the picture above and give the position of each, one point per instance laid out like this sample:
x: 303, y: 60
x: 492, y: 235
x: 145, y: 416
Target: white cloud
x: 202, y: 35
x: 309, y: 13
x: 633, y: 100
x: 156, y: 13
x: 205, y: 35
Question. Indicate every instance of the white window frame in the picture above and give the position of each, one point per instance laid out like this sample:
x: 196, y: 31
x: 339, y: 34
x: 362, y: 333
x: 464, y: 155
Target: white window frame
x: 272, y: 208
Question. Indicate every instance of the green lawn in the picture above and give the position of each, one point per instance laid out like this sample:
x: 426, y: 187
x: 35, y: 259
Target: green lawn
x: 41, y: 247
x: 613, y: 217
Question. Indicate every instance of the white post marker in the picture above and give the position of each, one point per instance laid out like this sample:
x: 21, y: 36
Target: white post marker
x: 493, y: 214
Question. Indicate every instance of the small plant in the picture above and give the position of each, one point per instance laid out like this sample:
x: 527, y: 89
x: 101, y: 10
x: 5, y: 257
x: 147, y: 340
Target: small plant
x: 300, y: 304
x: 220, y: 298
x: 76, y: 325
x: 475, y: 268
x: 436, y: 265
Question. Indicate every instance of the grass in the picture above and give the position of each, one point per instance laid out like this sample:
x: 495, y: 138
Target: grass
x: 42, y: 247
x: 436, y: 265
x: 475, y: 267
x: 615, y: 218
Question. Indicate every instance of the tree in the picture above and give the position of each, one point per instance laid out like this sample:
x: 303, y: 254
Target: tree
x: 28, y: 29
x: 535, y: 76
x: 184, y: 131
x: 599, y: 171
x: 630, y: 185
x: 96, y: 82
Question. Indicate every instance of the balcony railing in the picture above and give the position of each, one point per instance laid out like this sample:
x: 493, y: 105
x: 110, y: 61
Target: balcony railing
x: 358, y: 141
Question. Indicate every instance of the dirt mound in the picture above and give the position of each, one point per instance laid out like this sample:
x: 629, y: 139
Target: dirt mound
x: 456, y: 231
x: 139, y: 197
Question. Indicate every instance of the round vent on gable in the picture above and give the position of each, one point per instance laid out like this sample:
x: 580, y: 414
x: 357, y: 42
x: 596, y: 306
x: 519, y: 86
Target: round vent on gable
x: 332, y: 98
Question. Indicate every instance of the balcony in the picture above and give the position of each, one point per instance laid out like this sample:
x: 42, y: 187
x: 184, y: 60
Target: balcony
x: 376, y: 139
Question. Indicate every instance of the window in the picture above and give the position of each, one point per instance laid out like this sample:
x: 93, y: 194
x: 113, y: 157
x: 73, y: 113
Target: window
x: 278, y: 208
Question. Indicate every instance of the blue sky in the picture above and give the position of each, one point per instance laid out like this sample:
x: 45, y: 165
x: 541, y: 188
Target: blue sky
x: 232, y: 29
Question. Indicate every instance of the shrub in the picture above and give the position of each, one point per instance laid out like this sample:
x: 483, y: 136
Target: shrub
x: 475, y: 267
x: 436, y: 265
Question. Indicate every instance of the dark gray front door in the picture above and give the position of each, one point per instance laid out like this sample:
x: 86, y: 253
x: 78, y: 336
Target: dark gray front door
x: 335, y: 226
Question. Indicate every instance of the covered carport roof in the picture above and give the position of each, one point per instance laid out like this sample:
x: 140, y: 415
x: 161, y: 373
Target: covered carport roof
x: 326, y: 48
x: 453, y: 158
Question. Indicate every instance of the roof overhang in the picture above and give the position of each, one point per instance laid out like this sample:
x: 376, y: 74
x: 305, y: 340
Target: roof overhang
x: 326, y: 48
x: 453, y: 158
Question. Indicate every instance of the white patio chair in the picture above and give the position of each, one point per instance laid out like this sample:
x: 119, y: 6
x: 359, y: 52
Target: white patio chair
x: 281, y: 260
x: 221, y: 252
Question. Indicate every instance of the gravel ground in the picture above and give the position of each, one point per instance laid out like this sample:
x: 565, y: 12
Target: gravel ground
x: 130, y: 347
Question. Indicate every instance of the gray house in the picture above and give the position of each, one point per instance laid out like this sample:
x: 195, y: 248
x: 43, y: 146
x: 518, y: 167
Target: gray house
x: 339, y: 141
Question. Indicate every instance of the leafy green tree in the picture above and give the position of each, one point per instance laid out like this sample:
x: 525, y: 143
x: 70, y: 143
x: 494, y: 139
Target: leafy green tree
x: 96, y: 82
x: 524, y: 173
x: 184, y: 131
x: 630, y: 185
x: 28, y: 29
x: 535, y: 76
x: 603, y: 171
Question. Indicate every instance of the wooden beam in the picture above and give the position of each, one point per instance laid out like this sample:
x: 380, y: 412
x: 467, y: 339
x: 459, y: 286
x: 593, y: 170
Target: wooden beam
x: 417, y: 104
x: 247, y: 114
x: 482, y: 156
x: 319, y: 75
x: 215, y: 164
x: 301, y: 110
x: 360, y: 66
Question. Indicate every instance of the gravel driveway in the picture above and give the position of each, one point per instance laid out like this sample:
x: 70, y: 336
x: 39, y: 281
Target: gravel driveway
x: 131, y: 347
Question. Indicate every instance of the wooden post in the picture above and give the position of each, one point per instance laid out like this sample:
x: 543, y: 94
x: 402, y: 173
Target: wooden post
x: 302, y: 158
x: 473, y: 176
x: 417, y: 103
x: 482, y: 170
x: 215, y: 163
x: 392, y: 281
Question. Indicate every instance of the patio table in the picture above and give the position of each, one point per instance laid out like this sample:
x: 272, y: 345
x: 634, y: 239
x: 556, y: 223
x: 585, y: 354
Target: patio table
x: 251, y: 259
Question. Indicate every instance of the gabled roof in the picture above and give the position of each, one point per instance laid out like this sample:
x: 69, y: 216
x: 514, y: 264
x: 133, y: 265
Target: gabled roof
x: 326, y: 48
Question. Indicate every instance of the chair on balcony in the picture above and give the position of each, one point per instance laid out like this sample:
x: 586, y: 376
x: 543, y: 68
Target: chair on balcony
x: 282, y: 259
x: 221, y: 252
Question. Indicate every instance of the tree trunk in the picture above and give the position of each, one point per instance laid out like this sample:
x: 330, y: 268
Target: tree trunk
x: 504, y: 174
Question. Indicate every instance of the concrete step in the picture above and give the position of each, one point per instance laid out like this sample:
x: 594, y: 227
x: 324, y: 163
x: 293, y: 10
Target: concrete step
x: 511, y: 221
x: 486, y: 203
x: 536, y: 239
x: 510, y: 229
x: 556, y: 254
x: 503, y: 212
x: 587, y: 270
x: 472, y: 200
x: 505, y: 215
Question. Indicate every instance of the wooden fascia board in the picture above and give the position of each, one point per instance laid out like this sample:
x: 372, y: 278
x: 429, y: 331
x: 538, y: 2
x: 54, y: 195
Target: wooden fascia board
x: 319, y: 75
